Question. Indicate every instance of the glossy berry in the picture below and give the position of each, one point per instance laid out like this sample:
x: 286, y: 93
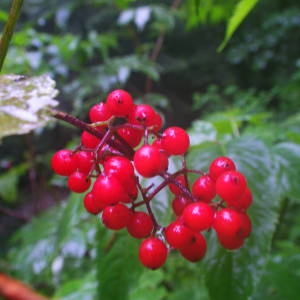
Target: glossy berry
x: 220, y: 165
x: 157, y: 122
x: 175, y: 141
x: 149, y: 161
x: 140, y: 225
x: 195, y: 250
x: 90, y: 204
x: 119, y: 103
x: 132, y: 136
x: 179, y: 203
x: 108, y: 190
x: 231, y: 243
x: 88, y: 140
x: 99, y: 113
x: 228, y: 224
x: 245, y: 200
x: 116, y: 216
x: 143, y: 114
x: 204, y: 188
x: 178, y: 235
x: 198, y: 216
x: 84, y: 161
x: 153, y: 253
x: 63, y: 162
x: 230, y: 186
x: 78, y: 182
x: 120, y: 167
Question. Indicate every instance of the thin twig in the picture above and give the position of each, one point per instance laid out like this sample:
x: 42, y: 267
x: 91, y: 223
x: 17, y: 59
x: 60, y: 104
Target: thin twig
x: 158, y: 45
x: 9, y: 29
x: 117, y: 143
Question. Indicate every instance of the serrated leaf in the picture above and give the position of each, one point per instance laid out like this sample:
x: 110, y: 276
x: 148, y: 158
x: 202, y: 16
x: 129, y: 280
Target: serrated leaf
x: 117, y: 266
x: 242, y: 9
x: 84, y: 288
x: 287, y: 155
x: 236, y: 273
x: 62, y: 231
x: 24, y: 102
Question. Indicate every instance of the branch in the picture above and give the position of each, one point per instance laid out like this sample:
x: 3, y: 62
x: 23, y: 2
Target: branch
x: 12, y: 289
x: 158, y: 45
x: 9, y: 29
x: 117, y: 143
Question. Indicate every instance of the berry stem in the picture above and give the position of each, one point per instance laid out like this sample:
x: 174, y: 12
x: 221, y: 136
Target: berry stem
x: 146, y: 201
x: 117, y: 143
x: 171, y: 179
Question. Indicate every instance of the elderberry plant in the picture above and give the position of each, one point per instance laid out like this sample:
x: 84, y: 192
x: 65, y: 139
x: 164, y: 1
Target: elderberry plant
x: 123, y: 144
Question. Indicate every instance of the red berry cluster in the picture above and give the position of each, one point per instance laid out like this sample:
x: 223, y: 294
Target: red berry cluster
x: 111, y: 176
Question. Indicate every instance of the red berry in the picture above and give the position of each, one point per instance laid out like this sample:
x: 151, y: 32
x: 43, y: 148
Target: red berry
x: 179, y: 203
x: 108, y: 190
x: 228, y: 224
x: 220, y: 165
x: 99, y: 113
x: 174, y: 188
x: 198, y: 216
x: 131, y: 187
x: 231, y: 243
x: 88, y: 140
x: 119, y: 103
x: 78, y: 182
x: 178, y: 235
x: 149, y: 161
x: 119, y: 166
x: 90, y: 204
x: 195, y: 250
x: 140, y: 225
x: 143, y: 114
x: 204, y: 188
x: 153, y: 253
x: 84, y: 161
x: 244, y: 201
x: 175, y: 141
x: 131, y: 135
x: 157, y: 123
x: 63, y: 162
x: 116, y: 216
x: 246, y: 225
x: 230, y: 186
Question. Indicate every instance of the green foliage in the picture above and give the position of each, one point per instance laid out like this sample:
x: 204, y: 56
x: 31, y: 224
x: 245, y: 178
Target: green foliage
x: 248, y: 112
x: 242, y: 9
x: 9, y: 183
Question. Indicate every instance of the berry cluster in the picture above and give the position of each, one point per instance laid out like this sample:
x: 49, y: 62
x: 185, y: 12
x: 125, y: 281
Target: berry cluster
x: 123, y: 144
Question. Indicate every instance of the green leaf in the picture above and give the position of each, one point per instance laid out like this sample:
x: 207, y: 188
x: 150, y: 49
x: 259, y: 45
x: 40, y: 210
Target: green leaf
x: 288, y: 157
x: 83, y: 288
x: 149, y: 286
x: 24, y: 102
x: 63, y: 232
x: 117, y: 265
x: 236, y: 273
x: 9, y: 182
x: 242, y: 9
x: 281, y: 278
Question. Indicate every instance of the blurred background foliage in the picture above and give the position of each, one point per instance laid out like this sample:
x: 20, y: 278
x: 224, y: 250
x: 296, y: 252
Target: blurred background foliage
x: 242, y: 102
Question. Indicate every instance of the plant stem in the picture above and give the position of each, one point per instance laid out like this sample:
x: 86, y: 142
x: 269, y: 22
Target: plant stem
x: 9, y: 29
x: 117, y: 143
x: 158, y: 45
